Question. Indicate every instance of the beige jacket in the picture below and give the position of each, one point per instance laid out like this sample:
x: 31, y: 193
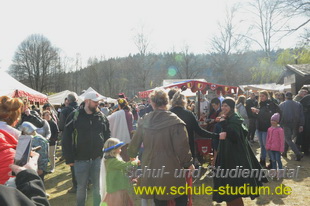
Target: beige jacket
x: 165, y: 142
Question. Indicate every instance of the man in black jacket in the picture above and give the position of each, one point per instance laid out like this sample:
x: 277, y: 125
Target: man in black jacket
x: 72, y: 100
x: 85, y: 132
x: 251, y: 102
x: 29, y: 189
x: 178, y: 103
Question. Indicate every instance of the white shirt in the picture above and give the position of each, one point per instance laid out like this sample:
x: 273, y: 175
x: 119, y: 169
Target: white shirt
x: 11, y: 130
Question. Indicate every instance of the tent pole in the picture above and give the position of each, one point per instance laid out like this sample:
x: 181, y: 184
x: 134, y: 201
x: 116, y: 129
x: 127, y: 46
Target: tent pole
x: 198, y: 105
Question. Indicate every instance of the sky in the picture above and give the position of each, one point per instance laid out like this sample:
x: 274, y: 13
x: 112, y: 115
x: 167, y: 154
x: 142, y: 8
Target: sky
x: 105, y: 28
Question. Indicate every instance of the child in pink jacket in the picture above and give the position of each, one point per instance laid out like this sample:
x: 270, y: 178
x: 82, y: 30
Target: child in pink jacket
x: 275, y: 141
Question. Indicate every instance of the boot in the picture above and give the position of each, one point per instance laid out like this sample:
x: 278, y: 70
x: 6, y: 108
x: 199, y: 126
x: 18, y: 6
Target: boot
x: 262, y: 162
x: 270, y: 165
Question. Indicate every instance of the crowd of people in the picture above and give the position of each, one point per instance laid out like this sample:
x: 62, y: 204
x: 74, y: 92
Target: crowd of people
x: 101, y: 142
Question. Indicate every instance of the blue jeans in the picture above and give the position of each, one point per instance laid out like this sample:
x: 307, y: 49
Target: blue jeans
x: 290, y: 132
x: 275, y: 157
x: 262, y: 142
x: 85, y: 169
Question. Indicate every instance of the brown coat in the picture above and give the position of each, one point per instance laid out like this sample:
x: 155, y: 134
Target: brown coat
x: 165, y: 142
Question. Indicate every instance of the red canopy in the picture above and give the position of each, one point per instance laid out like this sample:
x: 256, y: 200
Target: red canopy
x: 13, y: 88
x: 195, y: 86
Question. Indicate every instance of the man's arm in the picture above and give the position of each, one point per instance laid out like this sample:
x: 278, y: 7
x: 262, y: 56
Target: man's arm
x: 106, y: 130
x: 31, y: 185
x: 135, y: 143
x: 201, y: 132
x: 30, y: 188
x: 67, y: 146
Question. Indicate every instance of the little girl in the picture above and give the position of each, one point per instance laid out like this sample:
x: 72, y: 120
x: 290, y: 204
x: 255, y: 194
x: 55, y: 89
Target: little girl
x: 275, y: 141
x: 114, y: 182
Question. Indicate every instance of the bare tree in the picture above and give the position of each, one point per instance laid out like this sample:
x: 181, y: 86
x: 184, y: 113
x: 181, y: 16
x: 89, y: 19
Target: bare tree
x: 228, y: 47
x: 142, y: 42
x: 142, y: 62
x: 34, y: 61
x: 187, y: 65
x: 298, y: 8
x: 269, y: 20
x: 109, y: 70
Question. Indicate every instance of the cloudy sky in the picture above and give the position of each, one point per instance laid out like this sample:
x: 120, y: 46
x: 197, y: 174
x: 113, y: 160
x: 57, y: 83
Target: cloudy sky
x: 106, y: 28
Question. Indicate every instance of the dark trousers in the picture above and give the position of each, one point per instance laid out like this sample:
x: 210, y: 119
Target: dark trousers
x: 252, y: 128
x: 180, y: 201
x: 74, y: 183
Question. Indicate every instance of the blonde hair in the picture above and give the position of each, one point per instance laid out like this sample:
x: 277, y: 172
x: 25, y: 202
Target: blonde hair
x: 178, y: 99
x: 10, y: 109
x: 241, y: 99
x: 109, y: 143
x: 159, y: 97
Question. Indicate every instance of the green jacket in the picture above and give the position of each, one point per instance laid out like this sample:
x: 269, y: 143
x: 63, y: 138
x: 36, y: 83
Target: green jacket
x: 234, y: 152
x: 116, y: 178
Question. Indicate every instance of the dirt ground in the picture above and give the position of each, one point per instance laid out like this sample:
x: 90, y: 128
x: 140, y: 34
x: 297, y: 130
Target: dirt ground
x: 58, y: 183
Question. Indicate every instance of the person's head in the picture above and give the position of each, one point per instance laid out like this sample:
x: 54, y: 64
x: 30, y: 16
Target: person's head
x: 263, y: 96
x: 72, y: 97
x: 66, y: 102
x: 281, y: 96
x: 289, y: 96
x: 10, y: 109
x: 47, y: 106
x: 252, y: 96
x: 159, y: 99
x: 122, y: 103
x: 216, y: 103
x: 178, y: 100
x: 306, y: 89
x: 47, y: 115
x: 101, y: 104
x: 303, y: 91
x: 275, y: 119
x: 27, y: 128
x: 121, y: 95
x: 91, y: 101
x: 171, y: 93
x: 241, y: 99
x: 228, y: 106
x: 112, y: 147
x: 271, y: 95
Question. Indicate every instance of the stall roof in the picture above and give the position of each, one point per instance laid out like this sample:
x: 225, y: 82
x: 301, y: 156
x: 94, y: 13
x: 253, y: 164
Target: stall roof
x: 269, y: 87
x: 195, y: 86
x: 13, y: 88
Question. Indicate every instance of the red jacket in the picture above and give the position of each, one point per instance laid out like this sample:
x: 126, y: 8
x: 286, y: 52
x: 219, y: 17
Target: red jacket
x: 275, y: 139
x: 7, y: 152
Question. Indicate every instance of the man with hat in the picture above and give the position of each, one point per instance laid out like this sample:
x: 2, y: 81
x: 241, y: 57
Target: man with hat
x: 86, y: 130
x: 292, y: 122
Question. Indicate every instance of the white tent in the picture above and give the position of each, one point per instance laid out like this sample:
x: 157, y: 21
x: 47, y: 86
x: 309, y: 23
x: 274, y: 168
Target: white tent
x: 269, y: 87
x: 13, y: 88
x: 111, y: 100
x: 59, y: 98
x: 106, y: 99
x: 82, y: 96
